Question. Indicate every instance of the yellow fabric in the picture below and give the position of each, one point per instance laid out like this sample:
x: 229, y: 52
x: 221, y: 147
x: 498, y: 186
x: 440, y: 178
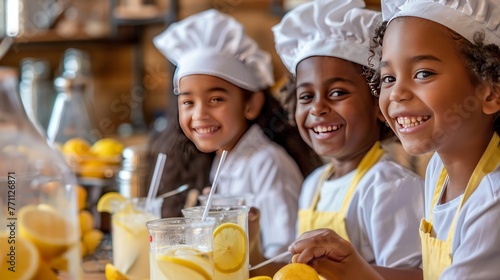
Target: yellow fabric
x: 310, y: 219
x: 436, y: 254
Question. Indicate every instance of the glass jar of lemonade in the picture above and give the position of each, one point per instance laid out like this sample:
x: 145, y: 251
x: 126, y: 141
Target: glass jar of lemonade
x: 39, y: 234
x: 230, y: 239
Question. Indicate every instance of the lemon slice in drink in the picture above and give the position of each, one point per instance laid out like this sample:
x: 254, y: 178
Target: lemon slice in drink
x: 112, y: 273
x: 25, y: 259
x: 230, y: 248
x: 189, y: 267
x: 50, y: 232
x: 110, y: 202
x: 261, y: 278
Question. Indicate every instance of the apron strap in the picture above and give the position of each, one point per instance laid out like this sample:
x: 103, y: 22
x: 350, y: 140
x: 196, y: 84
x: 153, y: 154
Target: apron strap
x: 326, y: 173
x: 366, y: 163
x: 487, y: 164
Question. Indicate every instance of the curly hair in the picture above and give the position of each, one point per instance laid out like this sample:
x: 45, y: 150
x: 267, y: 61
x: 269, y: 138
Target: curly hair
x: 482, y: 60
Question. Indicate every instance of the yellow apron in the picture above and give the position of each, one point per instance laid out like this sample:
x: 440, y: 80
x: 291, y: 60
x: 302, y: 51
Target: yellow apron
x: 436, y: 254
x: 310, y: 219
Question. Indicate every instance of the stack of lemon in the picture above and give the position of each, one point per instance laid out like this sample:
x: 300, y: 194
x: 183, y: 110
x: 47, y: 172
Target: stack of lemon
x: 93, y: 161
x: 90, y: 236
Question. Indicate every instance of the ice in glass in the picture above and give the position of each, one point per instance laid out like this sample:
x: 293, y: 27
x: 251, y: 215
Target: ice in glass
x: 230, y: 239
x: 181, y: 249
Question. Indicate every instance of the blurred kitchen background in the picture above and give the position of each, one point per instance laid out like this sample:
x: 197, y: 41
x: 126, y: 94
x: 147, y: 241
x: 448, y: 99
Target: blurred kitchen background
x: 130, y: 80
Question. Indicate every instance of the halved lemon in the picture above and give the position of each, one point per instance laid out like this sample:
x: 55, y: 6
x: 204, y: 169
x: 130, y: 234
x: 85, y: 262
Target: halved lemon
x: 188, y: 267
x: 25, y: 260
x: 110, y: 202
x: 112, y: 273
x: 298, y: 271
x: 50, y: 232
x: 230, y: 248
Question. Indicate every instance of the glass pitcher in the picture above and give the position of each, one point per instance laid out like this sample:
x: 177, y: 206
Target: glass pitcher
x: 39, y: 234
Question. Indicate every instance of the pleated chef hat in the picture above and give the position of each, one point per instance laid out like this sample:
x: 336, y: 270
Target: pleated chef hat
x: 336, y: 28
x: 213, y: 43
x: 465, y: 17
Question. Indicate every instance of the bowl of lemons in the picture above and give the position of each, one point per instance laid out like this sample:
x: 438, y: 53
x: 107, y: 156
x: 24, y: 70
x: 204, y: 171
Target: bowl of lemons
x: 100, y: 160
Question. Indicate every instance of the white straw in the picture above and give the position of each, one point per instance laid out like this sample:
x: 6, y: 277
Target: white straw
x: 214, y: 185
x: 155, y: 180
x: 273, y: 259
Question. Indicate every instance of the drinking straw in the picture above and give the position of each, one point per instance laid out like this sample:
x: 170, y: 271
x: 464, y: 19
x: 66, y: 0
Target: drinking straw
x: 214, y: 185
x: 155, y: 180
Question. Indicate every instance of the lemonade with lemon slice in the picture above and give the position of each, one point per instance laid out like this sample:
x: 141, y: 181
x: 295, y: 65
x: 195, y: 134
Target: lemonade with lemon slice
x: 41, y: 227
x: 230, y: 239
x: 130, y: 236
x: 181, y: 249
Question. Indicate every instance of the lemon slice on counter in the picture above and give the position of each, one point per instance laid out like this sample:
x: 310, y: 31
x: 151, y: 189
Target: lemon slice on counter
x: 189, y: 267
x: 230, y: 248
x: 298, y: 271
x: 112, y: 273
x: 50, y: 232
x: 110, y: 202
x: 26, y: 262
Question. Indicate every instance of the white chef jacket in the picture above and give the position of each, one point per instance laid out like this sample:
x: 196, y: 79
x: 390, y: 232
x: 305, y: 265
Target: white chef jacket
x: 476, y: 240
x: 259, y: 166
x: 383, y: 216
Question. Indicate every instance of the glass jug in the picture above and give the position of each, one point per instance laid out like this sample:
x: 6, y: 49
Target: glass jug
x: 39, y: 232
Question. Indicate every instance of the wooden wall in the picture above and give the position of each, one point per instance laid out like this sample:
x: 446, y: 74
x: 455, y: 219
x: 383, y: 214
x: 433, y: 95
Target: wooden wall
x: 114, y: 61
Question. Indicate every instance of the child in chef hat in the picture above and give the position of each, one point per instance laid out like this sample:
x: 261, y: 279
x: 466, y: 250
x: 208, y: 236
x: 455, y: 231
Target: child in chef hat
x: 361, y: 194
x: 439, y: 89
x: 222, y: 82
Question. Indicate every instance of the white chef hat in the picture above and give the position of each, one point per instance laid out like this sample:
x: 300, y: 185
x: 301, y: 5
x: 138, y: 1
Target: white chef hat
x: 336, y: 28
x: 465, y: 17
x: 214, y: 43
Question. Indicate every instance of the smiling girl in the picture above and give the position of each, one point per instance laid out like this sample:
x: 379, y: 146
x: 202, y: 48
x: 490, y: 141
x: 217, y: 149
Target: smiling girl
x: 222, y: 85
x: 361, y: 194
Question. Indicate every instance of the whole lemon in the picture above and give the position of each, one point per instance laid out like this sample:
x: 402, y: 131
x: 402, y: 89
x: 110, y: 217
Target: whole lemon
x: 93, y: 168
x: 107, y: 147
x: 296, y: 271
x: 81, y: 194
x: 76, y: 149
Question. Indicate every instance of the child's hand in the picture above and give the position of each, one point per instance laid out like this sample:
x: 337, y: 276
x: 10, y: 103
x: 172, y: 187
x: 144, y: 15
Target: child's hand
x: 206, y: 190
x: 321, y: 243
x: 332, y: 256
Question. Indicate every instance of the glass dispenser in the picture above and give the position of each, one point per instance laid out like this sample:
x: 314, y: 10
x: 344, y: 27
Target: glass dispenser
x: 39, y: 232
